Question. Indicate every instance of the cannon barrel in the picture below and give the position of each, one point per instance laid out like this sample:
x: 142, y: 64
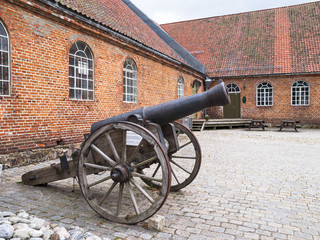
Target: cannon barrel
x: 171, y: 111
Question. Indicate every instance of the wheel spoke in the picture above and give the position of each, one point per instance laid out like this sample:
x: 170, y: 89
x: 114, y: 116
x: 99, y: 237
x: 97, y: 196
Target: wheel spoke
x: 108, y: 193
x: 129, y: 160
x: 144, y: 162
x: 135, y: 174
x: 186, y: 144
x: 133, y: 199
x: 120, y: 198
x: 124, y: 147
x: 155, y: 172
x: 97, y: 166
x: 183, y: 157
x: 114, y: 150
x: 105, y: 157
x: 179, y: 166
x: 100, y: 181
x: 142, y: 191
x: 175, y: 176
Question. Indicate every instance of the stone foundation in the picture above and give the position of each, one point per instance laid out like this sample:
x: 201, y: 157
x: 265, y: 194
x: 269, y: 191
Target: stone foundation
x: 39, y: 155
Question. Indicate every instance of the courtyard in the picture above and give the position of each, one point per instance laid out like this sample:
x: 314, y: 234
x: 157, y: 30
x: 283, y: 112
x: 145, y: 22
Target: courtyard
x: 251, y: 185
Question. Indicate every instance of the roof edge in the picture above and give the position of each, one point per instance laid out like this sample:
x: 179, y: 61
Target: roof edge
x: 267, y: 75
x: 56, y: 5
x: 167, y: 38
x: 234, y: 14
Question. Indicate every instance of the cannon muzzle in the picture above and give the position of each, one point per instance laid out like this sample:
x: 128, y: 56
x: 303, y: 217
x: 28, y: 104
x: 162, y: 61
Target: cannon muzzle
x: 171, y: 111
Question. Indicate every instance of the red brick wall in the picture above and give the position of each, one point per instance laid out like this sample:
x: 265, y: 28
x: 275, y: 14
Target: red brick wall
x: 282, y: 108
x: 39, y: 113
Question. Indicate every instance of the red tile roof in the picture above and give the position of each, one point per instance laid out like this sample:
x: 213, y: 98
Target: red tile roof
x: 118, y: 17
x: 275, y: 41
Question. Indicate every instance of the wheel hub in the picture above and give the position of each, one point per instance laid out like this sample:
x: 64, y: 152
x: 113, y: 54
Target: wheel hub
x: 120, y: 173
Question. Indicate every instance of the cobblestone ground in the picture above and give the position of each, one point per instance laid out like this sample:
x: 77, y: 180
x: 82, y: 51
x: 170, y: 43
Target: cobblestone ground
x: 252, y: 185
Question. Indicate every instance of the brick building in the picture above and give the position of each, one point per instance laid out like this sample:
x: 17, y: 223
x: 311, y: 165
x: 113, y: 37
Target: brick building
x: 270, y: 60
x: 67, y: 63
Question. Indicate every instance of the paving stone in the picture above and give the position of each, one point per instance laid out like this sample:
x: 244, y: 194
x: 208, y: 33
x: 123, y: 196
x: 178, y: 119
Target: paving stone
x: 251, y: 184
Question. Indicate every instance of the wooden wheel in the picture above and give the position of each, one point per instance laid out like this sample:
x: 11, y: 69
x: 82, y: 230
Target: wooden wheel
x: 113, y: 161
x: 185, y: 163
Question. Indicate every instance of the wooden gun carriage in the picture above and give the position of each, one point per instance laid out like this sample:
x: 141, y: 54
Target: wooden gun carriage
x: 128, y: 163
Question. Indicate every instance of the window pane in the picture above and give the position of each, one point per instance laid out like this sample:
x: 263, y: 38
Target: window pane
x: 84, y: 95
x: 2, y: 30
x: 81, y: 46
x: 90, y: 75
x: 78, y: 83
x: 77, y: 72
x: 5, y: 73
x: 6, y: 88
x: 71, y: 71
x: 91, y: 85
x: 71, y: 82
x: 71, y: 93
x: 91, y: 95
x: 4, y: 58
x: 73, y: 49
x: 4, y: 43
x: 88, y: 53
x: 71, y: 60
x: 78, y: 94
x: 84, y: 84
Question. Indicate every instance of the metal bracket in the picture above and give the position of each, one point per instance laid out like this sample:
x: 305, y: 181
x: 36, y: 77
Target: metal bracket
x: 64, y: 162
x: 169, y: 132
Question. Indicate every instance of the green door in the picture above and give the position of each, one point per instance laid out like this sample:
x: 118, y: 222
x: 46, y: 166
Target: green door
x: 232, y: 110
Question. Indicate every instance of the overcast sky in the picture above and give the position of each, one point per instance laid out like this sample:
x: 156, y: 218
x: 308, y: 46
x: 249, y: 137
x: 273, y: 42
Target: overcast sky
x: 166, y: 11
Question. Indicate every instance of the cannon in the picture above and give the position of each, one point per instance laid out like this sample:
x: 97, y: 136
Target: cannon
x: 129, y: 163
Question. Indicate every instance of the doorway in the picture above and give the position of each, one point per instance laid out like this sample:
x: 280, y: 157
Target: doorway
x: 233, y: 110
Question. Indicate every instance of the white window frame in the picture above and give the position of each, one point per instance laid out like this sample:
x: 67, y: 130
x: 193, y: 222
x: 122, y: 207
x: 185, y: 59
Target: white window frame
x: 233, y: 88
x: 130, y: 81
x: 300, y: 94
x: 180, y: 87
x: 81, y: 72
x: 264, y: 95
x: 3, y: 52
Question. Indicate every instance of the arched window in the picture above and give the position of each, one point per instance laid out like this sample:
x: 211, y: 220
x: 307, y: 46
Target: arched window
x: 130, y: 81
x: 4, y: 62
x: 233, y: 88
x: 264, y: 94
x: 81, y: 77
x: 300, y: 93
x: 180, y: 87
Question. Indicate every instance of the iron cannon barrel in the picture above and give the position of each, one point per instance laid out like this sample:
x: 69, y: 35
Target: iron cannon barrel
x: 171, y: 111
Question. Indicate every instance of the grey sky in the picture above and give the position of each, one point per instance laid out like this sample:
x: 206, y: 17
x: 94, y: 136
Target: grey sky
x: 165, y: 11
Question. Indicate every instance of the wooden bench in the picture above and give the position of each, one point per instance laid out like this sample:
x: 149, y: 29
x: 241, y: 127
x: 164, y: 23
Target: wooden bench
x: 289, y: 124
x: 257, y: 124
